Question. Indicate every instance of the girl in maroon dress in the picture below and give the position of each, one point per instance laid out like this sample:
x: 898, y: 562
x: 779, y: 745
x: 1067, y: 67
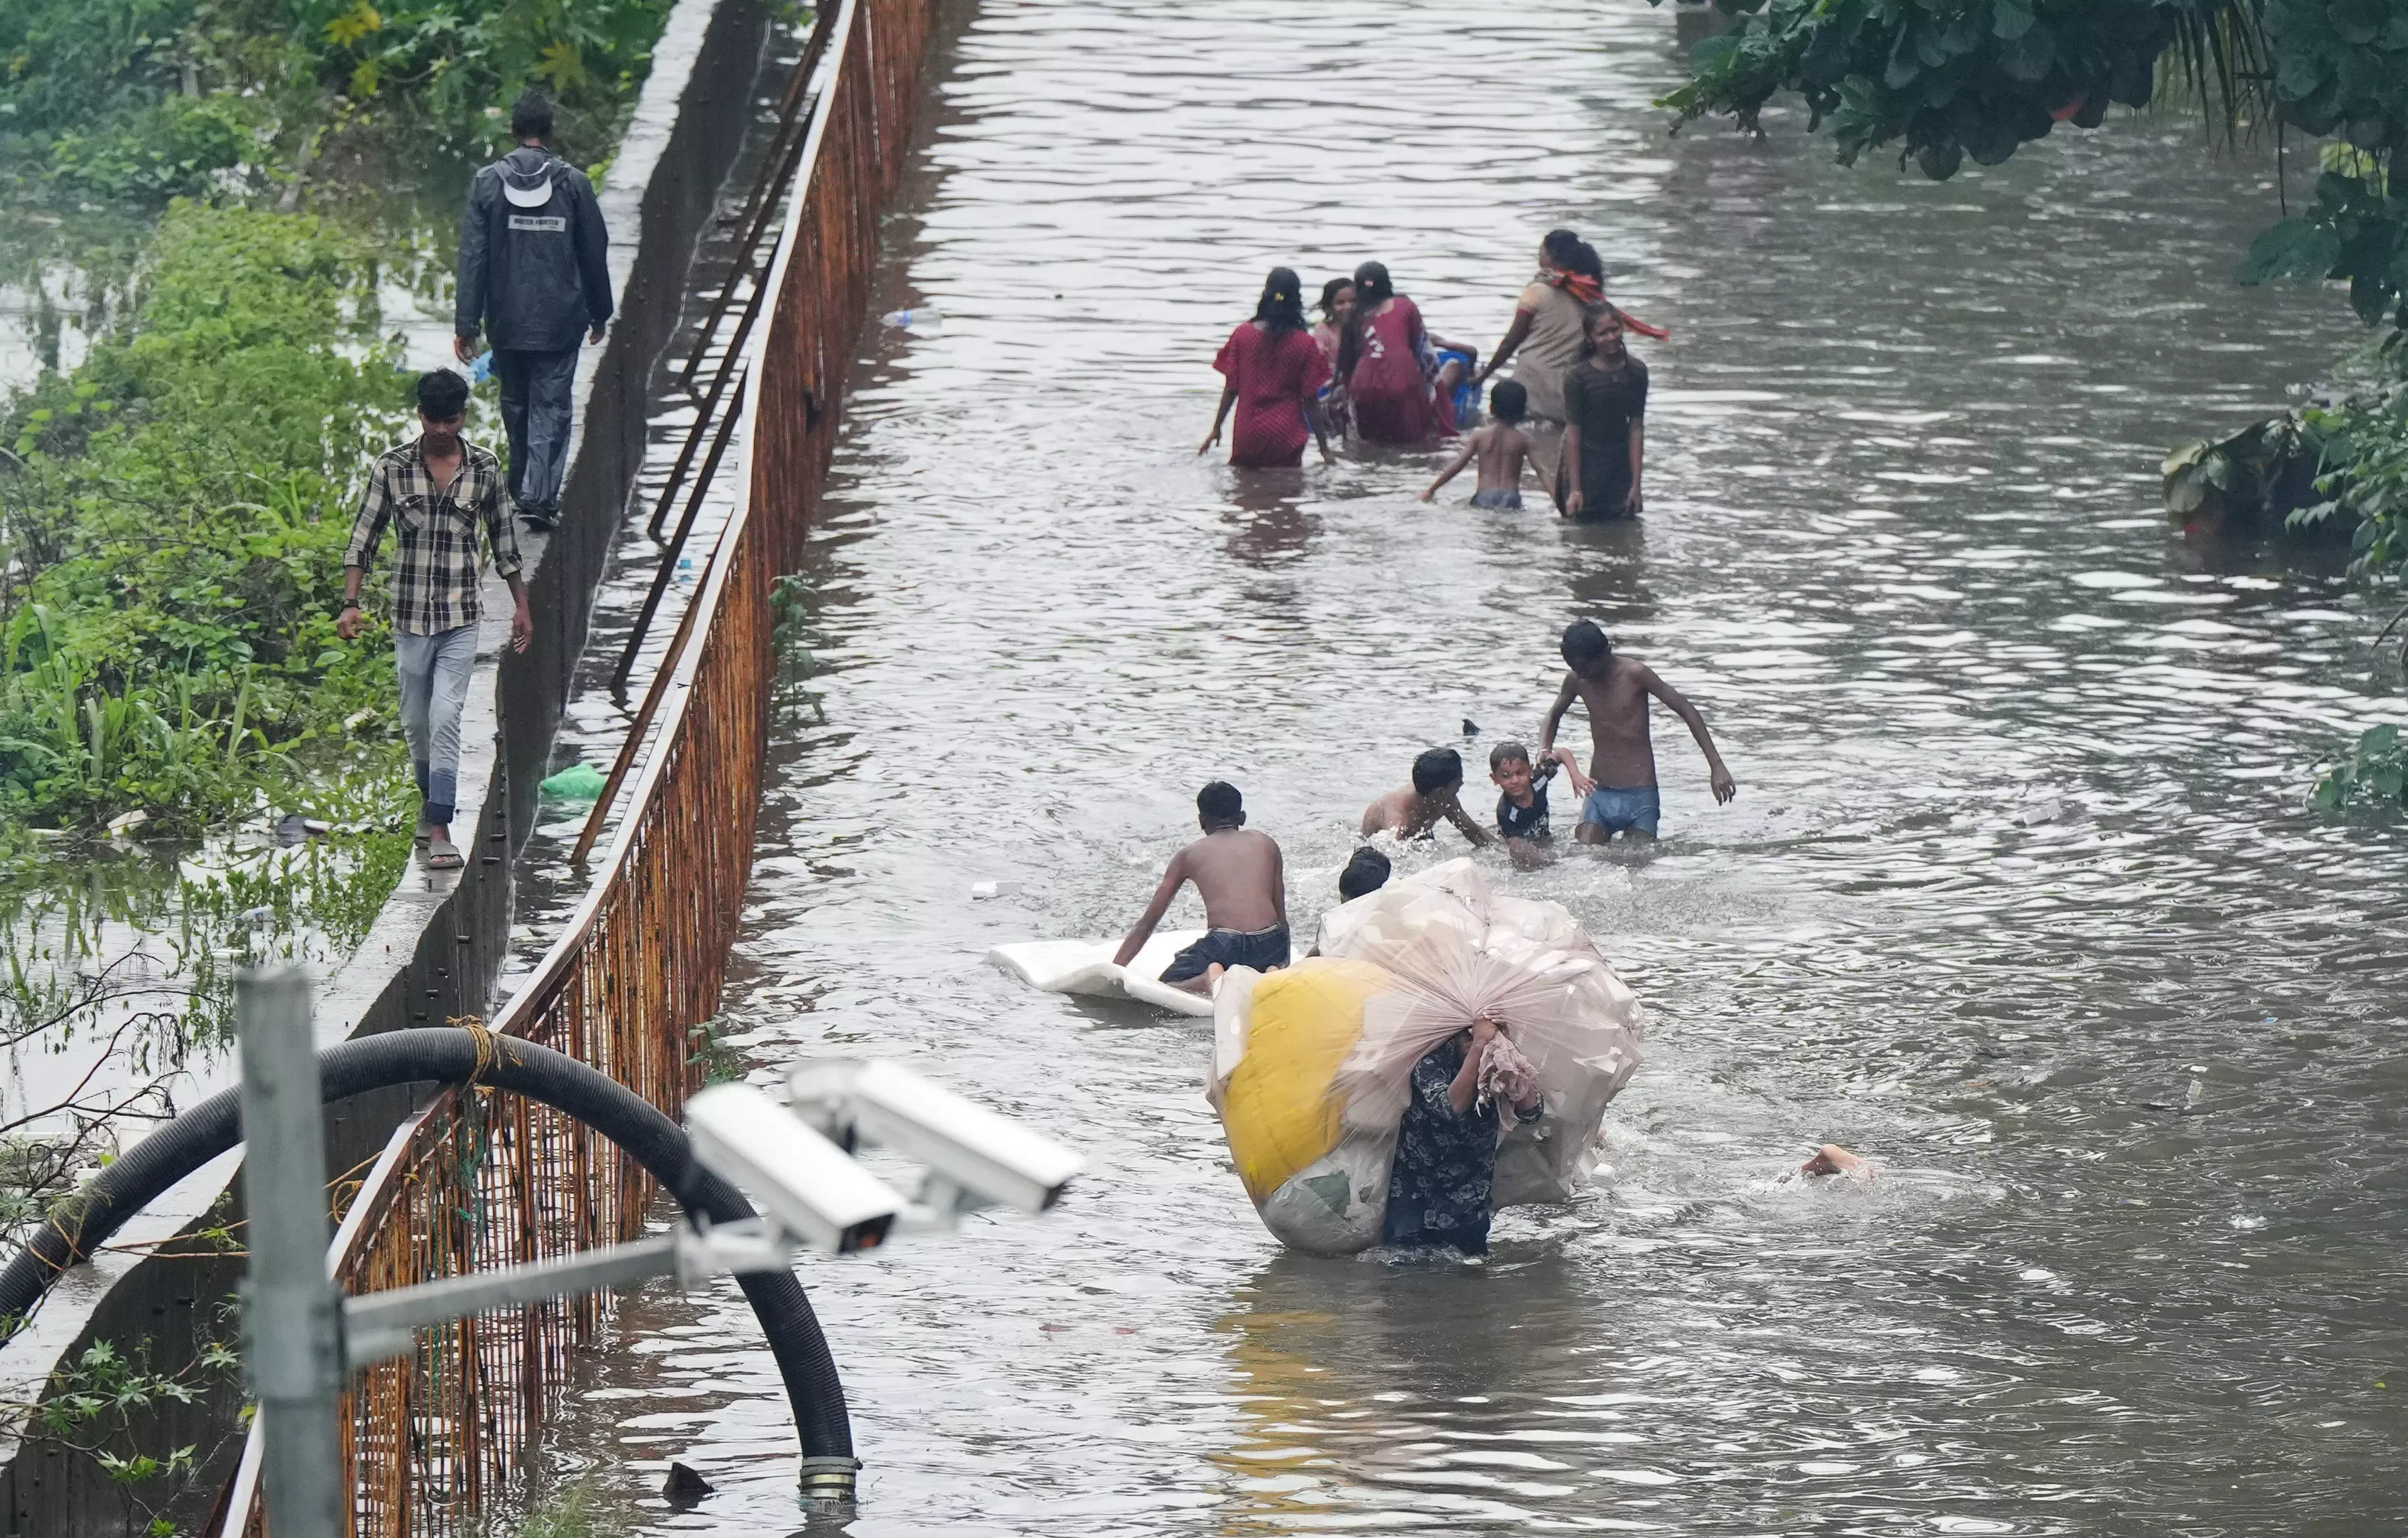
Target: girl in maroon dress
x: 1389, y: 368
x: 1275, y: 371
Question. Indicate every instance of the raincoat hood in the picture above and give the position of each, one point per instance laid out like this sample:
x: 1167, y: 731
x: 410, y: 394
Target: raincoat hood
x: 527, y: 176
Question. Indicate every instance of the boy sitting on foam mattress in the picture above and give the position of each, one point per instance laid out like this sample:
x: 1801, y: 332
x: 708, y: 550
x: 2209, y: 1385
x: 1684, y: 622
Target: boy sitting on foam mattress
x: 1240, y: 877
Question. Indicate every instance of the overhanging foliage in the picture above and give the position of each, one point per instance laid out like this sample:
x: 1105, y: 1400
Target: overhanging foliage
x: 1946, y: 79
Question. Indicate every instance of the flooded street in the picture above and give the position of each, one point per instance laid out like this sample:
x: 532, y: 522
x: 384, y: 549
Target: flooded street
x: 2019, y: 896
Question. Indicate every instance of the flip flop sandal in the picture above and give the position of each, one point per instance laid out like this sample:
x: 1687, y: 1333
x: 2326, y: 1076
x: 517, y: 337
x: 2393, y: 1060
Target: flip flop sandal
x: 442, y: 855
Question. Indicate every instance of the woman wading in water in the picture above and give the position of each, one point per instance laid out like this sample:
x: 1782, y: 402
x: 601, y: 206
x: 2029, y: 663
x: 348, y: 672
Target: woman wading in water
x: 1544, y: 340
x: 1381, y: 364
x: 1548, y: 336
x: 1336, y: 312
x: 1275, y: 371
x: 1605, y: 404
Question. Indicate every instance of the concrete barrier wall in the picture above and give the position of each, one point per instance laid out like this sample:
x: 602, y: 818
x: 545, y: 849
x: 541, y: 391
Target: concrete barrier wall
x: 437, y: 948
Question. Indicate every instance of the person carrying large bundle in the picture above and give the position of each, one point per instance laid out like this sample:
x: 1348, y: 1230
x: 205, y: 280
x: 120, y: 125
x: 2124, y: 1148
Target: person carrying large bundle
x: 1448, y: 1051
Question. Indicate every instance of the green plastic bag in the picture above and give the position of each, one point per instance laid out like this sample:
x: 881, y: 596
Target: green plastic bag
x: 578, y: 782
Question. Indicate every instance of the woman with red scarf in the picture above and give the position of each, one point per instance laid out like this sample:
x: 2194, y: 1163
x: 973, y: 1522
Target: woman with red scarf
x: 1547, y: 334
x: 1274, y: 371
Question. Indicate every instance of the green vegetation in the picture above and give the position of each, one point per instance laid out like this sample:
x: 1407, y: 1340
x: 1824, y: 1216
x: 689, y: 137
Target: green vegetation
x: 175, y: 525
x: 103, y: 1400
x: 578, y: 1509
x: 154, y: 98
x: 1982, y: 77
x: 1943, y: 80
x: 2375, y: 770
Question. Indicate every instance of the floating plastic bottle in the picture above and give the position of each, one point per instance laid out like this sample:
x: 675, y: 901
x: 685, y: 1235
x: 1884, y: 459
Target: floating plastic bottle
x: 925, y: 318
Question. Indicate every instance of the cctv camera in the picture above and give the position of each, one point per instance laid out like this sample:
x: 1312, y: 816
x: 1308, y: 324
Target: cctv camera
x: 985, y: 1157
x: 807, y: 1185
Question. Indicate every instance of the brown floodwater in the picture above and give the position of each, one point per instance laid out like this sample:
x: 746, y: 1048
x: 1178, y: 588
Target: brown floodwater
x: 2020, y: 896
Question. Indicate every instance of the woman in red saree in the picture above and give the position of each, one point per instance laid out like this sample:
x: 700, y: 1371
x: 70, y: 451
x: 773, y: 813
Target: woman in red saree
x: 1275, y: 371
x: 1386, y: 363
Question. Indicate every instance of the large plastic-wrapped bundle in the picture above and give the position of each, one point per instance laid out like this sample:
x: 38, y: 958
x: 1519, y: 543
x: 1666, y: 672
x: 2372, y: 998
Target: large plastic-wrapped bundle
x: 1312, y: 1064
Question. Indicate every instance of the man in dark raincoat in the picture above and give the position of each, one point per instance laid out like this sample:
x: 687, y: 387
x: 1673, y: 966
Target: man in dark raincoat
x: 534, y: 274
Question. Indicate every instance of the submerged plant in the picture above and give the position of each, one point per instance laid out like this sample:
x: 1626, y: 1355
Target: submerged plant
x: 2374, y: 769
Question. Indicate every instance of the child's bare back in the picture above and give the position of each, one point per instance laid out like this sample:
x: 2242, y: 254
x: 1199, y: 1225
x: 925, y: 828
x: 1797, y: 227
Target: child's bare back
x: 1502, y: 449
x: 1243, y: 882
x: 1238, y: 873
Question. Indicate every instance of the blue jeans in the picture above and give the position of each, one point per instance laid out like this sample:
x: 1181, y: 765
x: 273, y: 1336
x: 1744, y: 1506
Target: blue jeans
x: 435, y: 673
x: 536, y: 401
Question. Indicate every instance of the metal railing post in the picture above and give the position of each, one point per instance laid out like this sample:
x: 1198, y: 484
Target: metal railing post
x: 292, y: 1320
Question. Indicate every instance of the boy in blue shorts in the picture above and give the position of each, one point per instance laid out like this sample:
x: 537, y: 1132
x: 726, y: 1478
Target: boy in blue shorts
x: 1615, y: 690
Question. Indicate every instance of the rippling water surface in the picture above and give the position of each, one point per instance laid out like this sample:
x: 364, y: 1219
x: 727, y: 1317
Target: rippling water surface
x: 2018, y: 896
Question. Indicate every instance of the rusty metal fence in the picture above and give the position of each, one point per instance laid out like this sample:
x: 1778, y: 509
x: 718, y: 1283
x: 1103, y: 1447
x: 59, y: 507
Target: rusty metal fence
x: 479, y: 1179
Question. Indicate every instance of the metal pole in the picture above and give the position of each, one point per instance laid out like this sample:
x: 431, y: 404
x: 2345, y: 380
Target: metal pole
x: 292, y: 1312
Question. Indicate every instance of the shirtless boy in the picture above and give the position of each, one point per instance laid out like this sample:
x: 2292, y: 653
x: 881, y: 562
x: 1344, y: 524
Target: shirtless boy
x: 1501, y: 447
x: 1243, y: 883
x: 1623, y: 758
x: 1414, y: 810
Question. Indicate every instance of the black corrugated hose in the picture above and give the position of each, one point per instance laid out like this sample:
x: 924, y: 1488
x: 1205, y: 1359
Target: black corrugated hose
x: 451, y: 1055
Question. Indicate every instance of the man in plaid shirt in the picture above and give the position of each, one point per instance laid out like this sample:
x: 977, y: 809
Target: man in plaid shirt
x: 438, y: 491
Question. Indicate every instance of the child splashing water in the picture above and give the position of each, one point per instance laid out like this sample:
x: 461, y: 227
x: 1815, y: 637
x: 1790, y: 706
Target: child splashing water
x: 1414, y: 810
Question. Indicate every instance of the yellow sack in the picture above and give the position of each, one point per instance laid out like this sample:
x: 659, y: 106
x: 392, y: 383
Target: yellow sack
x: 1275, y: 1100
x: 1311, y: 1065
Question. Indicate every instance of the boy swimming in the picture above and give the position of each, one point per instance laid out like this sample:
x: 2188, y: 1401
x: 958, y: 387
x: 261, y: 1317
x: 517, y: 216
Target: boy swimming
x: 1623, y: 760
x: 1501, y: 447
x: 1522, y: 799
x: 1413, y: 811
x: 1366, y: 873
x: 1240, y: 877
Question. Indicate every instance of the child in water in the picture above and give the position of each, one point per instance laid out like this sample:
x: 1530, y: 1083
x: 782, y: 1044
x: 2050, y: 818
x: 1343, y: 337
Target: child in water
x: 1446, y: 1149
x: 1365, y: 874
x: 1414, y: 810
x: 1240, y: 877
x: 1501, y: 447
x: 1616, y: 690
x: 1522, y: 799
